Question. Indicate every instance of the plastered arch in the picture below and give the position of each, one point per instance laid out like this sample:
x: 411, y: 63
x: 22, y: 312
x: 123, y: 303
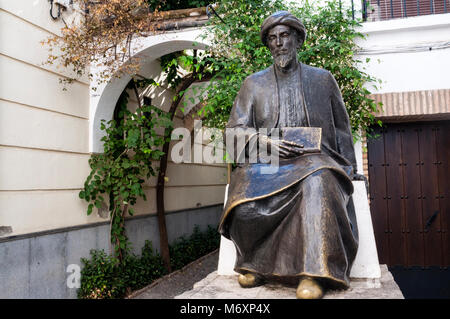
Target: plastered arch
x: 103, y: 99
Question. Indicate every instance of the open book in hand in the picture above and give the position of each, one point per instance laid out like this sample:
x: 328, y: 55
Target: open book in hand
x: 309, y: 137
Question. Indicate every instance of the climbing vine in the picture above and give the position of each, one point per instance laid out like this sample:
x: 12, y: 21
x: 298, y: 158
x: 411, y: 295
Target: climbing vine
x: 131, y: 145
x: 101, y: 35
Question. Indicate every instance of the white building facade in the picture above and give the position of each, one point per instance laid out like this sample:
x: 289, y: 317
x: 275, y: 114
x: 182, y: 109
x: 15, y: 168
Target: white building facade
x: 408, y: 44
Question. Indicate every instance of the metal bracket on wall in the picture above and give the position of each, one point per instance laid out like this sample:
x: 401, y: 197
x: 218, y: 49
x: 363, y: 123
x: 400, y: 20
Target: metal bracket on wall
x: 209, y: 9
x: 61, y: 4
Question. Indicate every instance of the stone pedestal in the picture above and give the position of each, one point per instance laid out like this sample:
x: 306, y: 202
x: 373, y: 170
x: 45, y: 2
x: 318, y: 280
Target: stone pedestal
x: 227, y: 251
x: 366, y: 264
x: 368, y: 279
x: 216, y: 286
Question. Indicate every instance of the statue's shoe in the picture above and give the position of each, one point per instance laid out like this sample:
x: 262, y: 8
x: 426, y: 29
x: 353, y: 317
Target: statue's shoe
x: 249, y: 280
x: 309, y: 288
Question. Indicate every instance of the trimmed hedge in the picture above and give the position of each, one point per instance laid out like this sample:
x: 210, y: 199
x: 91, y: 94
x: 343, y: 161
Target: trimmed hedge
x: 103, y: 277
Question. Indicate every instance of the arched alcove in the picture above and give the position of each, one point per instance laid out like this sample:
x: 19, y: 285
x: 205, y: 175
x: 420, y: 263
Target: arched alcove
x: 103, y: 99
x: 193, y: 191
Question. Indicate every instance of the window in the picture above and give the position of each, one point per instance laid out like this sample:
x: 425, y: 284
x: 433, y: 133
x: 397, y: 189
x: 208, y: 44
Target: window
x: 376, y: 10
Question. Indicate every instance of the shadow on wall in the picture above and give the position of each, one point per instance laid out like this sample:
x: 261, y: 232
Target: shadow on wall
x: 418, y: 283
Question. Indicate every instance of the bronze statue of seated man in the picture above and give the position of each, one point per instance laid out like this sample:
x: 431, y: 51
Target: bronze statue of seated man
x: 295, y: 225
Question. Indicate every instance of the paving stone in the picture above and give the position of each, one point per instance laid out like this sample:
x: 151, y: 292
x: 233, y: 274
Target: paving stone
x: 200, y: 280
x: 215, y: 286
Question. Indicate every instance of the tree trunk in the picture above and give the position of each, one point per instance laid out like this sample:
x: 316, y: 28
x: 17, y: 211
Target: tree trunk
x: 160, y: 210
x: 164, y: 244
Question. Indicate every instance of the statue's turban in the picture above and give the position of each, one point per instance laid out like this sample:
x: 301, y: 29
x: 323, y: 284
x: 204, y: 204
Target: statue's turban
x: 285, y: 18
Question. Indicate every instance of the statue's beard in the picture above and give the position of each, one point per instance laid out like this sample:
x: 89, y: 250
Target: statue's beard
x: 283, y: 60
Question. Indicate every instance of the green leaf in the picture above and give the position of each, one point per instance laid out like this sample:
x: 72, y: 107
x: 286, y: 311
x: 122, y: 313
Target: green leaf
x: 89, y: 210
x: 98, y: 204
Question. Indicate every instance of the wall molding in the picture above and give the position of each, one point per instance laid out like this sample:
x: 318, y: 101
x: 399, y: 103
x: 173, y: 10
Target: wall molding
x: 96, y: 224
x: 414, y: 105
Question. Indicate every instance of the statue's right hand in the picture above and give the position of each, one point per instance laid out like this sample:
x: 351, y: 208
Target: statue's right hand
x: 289, y: 149
x: 284, y: 149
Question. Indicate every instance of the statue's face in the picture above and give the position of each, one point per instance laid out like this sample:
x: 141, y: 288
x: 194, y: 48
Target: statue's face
x: 283, y: 44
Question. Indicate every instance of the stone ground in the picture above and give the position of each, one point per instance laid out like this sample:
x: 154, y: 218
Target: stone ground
x: 170, y: 286
x: 199, y: 280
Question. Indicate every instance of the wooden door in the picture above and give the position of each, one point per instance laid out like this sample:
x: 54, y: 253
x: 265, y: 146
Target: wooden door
x: 409, y: 177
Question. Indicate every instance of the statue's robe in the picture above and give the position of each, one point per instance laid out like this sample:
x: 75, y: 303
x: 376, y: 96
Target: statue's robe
x: 298, y: 220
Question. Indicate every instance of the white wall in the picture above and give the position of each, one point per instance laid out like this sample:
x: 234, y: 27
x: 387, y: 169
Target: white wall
x: 400, y: 55
x: 45, y: 133
x: 43, y: 129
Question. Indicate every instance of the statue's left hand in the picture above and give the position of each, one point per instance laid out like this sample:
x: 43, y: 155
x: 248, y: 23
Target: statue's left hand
x: 360, y: 177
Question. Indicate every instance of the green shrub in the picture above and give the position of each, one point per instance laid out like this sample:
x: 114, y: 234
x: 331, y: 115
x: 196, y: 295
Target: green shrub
x: 185, y: 250
x: 103, y: 277
x: 138, y: 271
x: 100, y: 277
